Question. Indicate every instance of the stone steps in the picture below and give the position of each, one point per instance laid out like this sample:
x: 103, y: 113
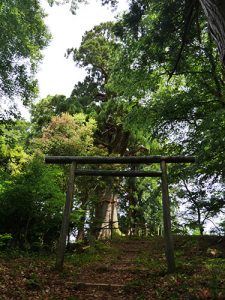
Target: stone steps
x: 110, y: 280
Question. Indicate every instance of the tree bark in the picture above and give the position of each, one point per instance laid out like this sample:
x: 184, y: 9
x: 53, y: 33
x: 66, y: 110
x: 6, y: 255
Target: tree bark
x: 106, y: 213
x: 215, y: 14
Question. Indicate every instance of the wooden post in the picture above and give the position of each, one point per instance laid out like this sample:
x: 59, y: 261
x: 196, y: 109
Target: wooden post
x: 65, y: 221
x: 169, y: 247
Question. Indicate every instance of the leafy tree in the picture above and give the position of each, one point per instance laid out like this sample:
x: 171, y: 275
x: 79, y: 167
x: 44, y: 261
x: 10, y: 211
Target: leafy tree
x: 201, y: 201
x: 186, y: 113
x: 189, y: 101
x: 31, y: 204
x: 23, y: 36
x: 213, y: 11
x: 52, y: 106
x: 98, y: 53
x: 140, y: 207
x: 13, y: 150
x: 72, y: 135
x: 68, y: 135
x: 75, y: 4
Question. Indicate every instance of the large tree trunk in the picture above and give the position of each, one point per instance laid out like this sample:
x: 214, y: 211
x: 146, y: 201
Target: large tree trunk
x: 215, y: 13
x: 106, y: 214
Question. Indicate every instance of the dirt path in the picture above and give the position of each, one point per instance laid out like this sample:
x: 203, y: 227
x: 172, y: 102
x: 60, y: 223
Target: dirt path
x: 116, y: 278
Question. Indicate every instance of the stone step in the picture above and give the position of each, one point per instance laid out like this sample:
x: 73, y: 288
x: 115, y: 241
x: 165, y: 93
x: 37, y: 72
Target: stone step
x: 129, y: 269
x: 125, y: 261
x: 135, y: 250
x: 120, y: 266
x: 107, y: 286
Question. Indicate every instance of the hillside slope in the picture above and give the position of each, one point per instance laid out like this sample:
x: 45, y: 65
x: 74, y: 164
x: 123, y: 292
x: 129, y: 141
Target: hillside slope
x: 120, y: 269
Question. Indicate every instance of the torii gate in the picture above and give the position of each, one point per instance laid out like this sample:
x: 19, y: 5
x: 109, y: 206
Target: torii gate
x: 75, y: 160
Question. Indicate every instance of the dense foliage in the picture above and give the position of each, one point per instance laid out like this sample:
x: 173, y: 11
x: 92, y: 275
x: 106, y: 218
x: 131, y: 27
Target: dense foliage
x: 154, y: 85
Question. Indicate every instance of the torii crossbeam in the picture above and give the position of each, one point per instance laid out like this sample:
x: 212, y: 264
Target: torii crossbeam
x: 75, y: 160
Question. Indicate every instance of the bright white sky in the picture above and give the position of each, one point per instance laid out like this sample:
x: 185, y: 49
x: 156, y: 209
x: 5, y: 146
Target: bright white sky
x: 57, y: 75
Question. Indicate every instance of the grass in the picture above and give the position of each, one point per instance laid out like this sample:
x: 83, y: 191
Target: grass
x: 200, y: 274
x: 97, y: 252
